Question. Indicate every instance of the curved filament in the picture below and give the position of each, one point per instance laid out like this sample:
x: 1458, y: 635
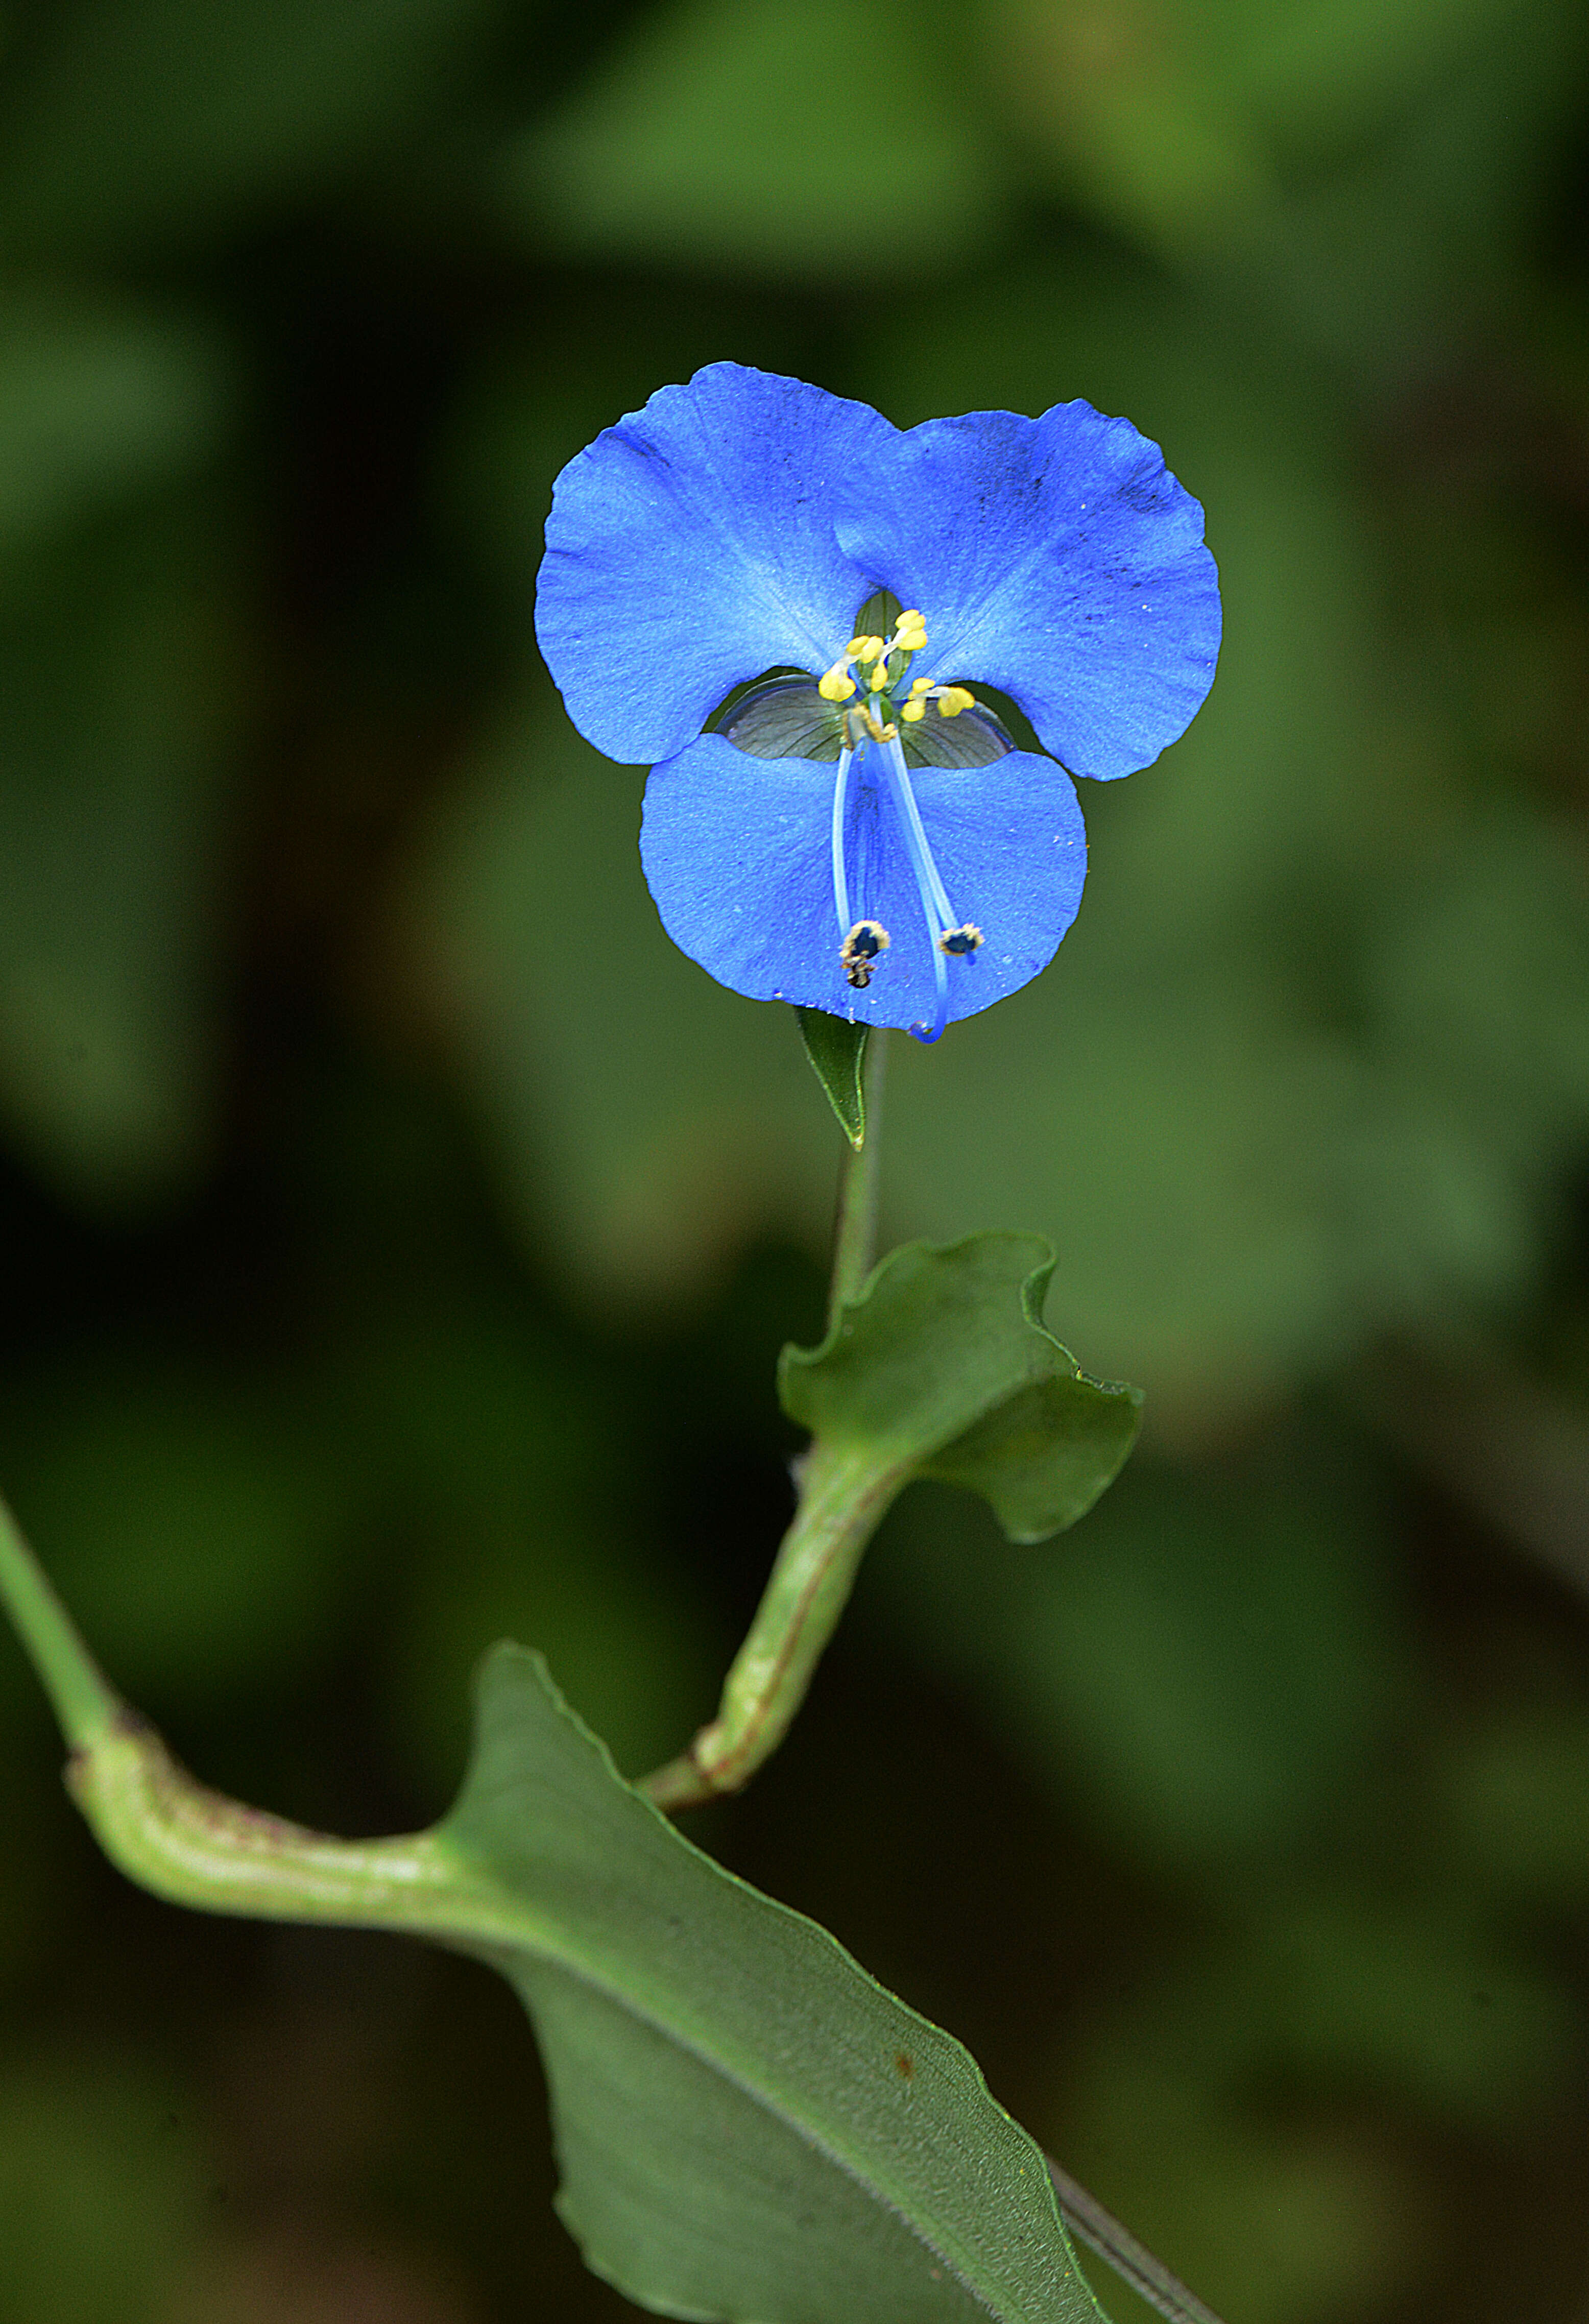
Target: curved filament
x: 936, y: 906
x: 841, y: 885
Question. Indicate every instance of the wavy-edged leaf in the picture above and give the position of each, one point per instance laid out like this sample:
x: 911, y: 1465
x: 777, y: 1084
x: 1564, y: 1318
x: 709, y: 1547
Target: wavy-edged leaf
x: 748, y: 2127
x: 942, y: 1368
x: 747, y: 2124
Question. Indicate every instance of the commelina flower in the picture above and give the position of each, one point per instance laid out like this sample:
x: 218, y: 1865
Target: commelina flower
x: 782, y: 604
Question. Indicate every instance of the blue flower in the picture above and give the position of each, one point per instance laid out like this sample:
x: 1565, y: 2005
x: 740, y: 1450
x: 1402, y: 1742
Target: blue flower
x: 856, y: 832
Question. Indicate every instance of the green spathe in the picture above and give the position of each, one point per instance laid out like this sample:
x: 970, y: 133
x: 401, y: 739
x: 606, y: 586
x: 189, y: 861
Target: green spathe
x: 837, y: 1051
x: 941, y: 1367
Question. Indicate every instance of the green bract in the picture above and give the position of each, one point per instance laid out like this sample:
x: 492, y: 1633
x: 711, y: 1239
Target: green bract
x: 838, y: 1050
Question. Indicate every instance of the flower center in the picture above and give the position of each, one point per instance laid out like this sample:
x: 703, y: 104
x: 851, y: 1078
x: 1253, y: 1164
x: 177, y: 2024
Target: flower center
x: 868, y: 712
x: 883, y: 664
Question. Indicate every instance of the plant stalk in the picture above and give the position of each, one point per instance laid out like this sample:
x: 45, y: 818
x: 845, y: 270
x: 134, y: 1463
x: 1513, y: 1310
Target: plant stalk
x: 193, y: 1847
x: 84, y: 1702
x: 843, y: 1499
x: 854, y: 1241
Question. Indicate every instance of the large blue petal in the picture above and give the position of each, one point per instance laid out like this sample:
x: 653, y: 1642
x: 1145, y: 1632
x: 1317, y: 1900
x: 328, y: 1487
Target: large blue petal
x: 1055, y: 558
x: 691, y: 547
x: 737, y: 854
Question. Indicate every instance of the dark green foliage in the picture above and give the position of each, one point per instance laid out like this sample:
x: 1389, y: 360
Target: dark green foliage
x: 402, y: 1234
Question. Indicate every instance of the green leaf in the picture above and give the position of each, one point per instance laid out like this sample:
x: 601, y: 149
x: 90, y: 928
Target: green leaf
x: 837, y: 1051
x: 748, y: 2127
x: 747, y: 2124
x: 942, y: 1368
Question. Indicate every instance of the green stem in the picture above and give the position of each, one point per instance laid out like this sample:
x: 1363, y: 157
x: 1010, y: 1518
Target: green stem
x: 84, y: 1702
x: 1131, y: 2261
x: 187, y: 1843
x: 843, y: 1498
x: 854, y: 1242
x: 180, y: 1840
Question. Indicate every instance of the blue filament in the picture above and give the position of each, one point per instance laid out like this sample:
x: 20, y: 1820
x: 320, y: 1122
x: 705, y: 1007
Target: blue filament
x: 935, y: 901
x: 936, y: 908
x: 933, y: 892
x: 841, y: 885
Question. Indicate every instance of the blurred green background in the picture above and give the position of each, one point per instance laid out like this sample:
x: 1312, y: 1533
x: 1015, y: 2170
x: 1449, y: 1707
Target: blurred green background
x: 398, y: 1233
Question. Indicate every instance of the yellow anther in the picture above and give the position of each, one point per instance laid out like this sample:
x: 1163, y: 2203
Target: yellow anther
x: 880, y: 676
x: 836, y: 684
x: 864, y: 649
x: 920, y: 686
x: 910, y: 633
x: 953, y: 699
x: 914, y: 710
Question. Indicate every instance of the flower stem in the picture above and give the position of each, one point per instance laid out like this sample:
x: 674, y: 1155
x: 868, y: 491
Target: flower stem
x: 843, y: 1498
x: 854, y: 1242
x: 185, y: 1842
x: 84, y: 1702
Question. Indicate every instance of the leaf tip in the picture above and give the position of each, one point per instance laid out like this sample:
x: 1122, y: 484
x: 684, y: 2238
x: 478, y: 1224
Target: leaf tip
x: 836, y: 1049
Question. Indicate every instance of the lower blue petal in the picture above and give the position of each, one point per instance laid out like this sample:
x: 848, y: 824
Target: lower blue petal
x: 736, y: 852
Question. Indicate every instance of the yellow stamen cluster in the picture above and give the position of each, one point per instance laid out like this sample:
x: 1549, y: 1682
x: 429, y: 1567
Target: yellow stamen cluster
x: 873, y: 655
x: 883, y: 661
